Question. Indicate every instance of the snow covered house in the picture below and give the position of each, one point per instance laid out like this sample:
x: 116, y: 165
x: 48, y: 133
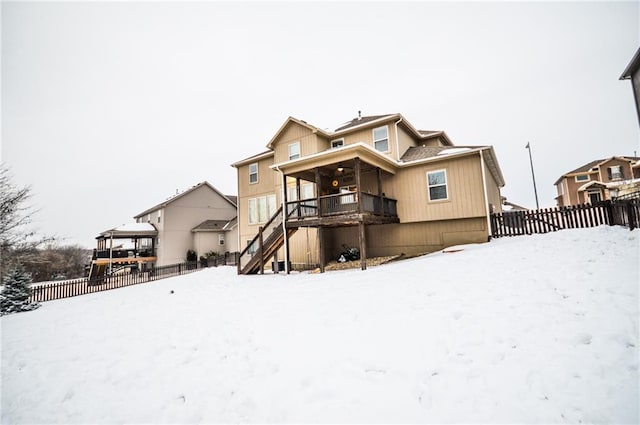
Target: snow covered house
x: 375, y: 183
x: 599, y: 180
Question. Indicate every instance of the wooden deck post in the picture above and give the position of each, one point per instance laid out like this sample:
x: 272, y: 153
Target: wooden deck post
x: 379, y: 175
x: 261, y: 249
x: 318, y: 191
x: 363, y: 245
x: 358, y: 170
x: 321, y: 258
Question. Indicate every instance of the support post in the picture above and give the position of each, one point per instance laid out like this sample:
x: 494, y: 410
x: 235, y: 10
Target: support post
x: 358, y: 182
x: 318, y: 191
x: 321, y: 257
x: 298, y: 197
x: 379, y: 175
x: 363, y: 245
x: 261, y: 250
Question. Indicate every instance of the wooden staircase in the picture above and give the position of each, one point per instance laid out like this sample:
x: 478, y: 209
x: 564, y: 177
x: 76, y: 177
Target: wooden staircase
x: 264, y: 245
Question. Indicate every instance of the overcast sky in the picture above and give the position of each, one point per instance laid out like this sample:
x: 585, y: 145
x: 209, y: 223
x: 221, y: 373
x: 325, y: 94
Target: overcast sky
x: 108, y: 108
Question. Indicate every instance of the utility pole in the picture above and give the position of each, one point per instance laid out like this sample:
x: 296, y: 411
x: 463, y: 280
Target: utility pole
x: 533, y: 176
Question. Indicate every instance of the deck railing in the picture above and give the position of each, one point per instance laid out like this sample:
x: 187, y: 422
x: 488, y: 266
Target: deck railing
x: 342, y: 203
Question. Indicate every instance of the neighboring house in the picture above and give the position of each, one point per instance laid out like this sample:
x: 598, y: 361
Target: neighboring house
x: 632, y: 72
x: 201, y: 219
x: 376, y: 183
x: 599, y: 180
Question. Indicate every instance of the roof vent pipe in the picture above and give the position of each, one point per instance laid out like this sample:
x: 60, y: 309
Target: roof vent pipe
x: 359, y: 115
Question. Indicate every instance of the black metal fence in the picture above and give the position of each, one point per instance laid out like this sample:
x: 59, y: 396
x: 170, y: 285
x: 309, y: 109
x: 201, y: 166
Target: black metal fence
x: 71, y: 288
x: 514, y: 223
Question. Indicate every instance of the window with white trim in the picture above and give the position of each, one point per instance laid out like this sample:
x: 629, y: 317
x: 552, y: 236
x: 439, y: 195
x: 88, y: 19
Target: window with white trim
x: 337, y: 143
x: 253, y: 173
x: 294, y: 150
x: 583, y: 178
x: 437, y: 182
x: 261, y: 209
x: 615, y: 172
x: 159, y: 216
x: 221, y: 239
x: 381, y: 138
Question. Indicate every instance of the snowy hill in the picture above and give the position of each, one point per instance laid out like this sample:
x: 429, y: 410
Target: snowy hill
x: 534, y: 329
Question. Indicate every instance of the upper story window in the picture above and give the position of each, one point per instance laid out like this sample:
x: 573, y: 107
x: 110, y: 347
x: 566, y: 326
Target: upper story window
x: 615, y: 172
x: 159, y: 216
x: 381, y: 138
x: 253, y: 173
x: 221, y: 239
x: 437, y: 182
x: 582, y: 178
x: 294, y: 150
x: 337, y: 143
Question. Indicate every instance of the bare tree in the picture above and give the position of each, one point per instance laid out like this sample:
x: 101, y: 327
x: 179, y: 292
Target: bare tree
x: 15, y: 217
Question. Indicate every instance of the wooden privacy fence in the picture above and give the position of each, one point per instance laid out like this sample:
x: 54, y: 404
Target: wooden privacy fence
x: 515, y: 223
x: 71, y: 288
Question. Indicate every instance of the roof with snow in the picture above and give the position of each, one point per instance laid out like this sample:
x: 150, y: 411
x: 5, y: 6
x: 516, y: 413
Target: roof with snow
x: 180, y: 195
x: 361, y: 120
x: 422, y: 152
x: 130, y: 230
x: 215, y: 225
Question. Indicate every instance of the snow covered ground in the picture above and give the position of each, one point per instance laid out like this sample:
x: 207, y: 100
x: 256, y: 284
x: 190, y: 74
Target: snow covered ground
x: 534, y: 329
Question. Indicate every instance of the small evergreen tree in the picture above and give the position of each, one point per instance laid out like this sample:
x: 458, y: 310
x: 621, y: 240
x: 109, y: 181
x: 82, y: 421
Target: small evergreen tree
x: 15, y: 294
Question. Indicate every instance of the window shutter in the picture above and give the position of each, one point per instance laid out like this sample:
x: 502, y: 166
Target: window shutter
x: 609, y: 172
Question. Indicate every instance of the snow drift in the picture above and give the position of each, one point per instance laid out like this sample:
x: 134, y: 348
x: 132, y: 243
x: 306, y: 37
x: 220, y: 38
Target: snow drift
x: 534, y: 329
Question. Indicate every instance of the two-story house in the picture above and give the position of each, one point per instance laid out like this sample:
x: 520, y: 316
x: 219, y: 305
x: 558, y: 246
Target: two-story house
x: 599, y: 180
x: 376, y: 183
x: 201, y: 219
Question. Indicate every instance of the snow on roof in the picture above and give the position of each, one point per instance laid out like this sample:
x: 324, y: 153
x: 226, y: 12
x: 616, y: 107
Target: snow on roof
x: 135, y: 227
x: 451, y: 151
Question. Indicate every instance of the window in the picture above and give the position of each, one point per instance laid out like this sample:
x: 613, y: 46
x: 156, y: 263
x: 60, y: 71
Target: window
x: 221, y: 239
x: 253, y: 173
x: 582, y: 178
x: 615, y: 172
x: 148, y: 218
x: 261, y: 209
x: 294, y: 150
x: 381, y: 139
x: 337, y: 143
x: 159, y: 215
x: 306, y: 191
x: 437, y: 181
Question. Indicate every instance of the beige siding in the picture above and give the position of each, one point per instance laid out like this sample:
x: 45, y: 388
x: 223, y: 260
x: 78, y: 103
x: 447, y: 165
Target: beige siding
x: 405, y: 141
x: 310, y: 143
x: 407, y: 238
x: 366, y: 136
x: 268, y: 183
x: 182, y: 215
x: 493, y: 192
x: 464, y: 188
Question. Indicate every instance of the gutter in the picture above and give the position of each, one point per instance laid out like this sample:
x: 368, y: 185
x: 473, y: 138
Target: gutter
x: 284, y: 218
x: 397, y: 141
x: 486, y: 197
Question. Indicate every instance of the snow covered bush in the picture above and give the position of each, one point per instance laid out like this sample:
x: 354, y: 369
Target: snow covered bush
x: 16, y: 291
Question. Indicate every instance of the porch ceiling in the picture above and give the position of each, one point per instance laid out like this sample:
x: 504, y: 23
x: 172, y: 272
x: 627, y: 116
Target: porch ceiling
x: 329, y: 160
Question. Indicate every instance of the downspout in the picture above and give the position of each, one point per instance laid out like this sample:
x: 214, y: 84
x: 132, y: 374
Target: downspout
x: 284, y: 220
x: 486, y: 197
x: 397, y: 141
